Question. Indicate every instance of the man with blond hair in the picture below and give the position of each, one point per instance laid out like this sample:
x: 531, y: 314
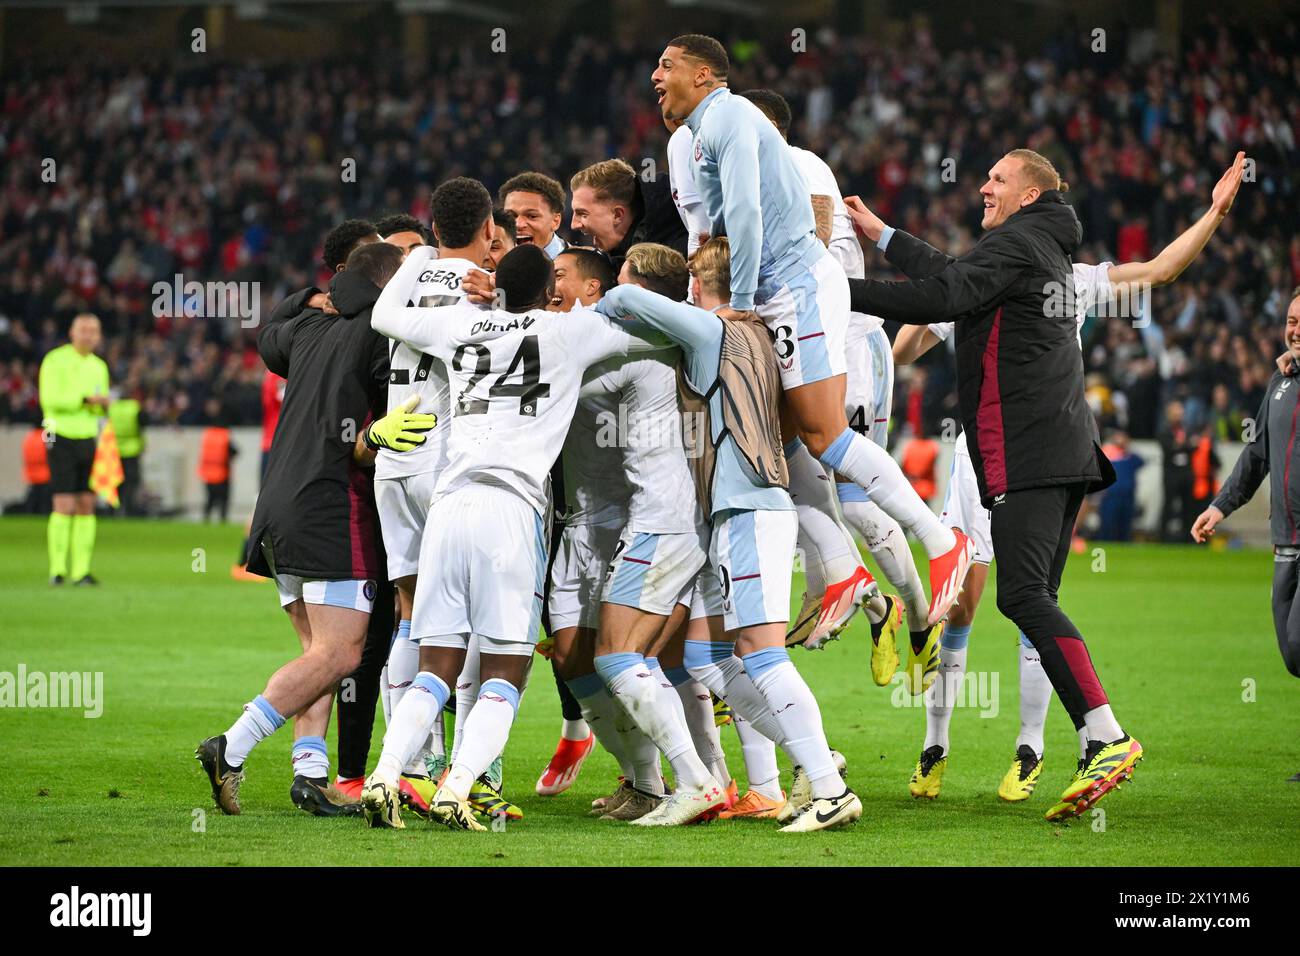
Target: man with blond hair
x: 618, y: 209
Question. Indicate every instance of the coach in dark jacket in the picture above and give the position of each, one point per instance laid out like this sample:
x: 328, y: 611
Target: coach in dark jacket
x: 1032, y: 439
x: 316, y: 507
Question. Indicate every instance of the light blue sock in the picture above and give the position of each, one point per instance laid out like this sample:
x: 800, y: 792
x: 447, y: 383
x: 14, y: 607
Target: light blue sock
x: 955, y: 638
x: 759, y: 662
x: 609, y: 666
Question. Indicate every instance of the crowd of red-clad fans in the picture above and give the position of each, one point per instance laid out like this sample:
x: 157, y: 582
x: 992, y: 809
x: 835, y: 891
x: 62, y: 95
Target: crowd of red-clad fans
x: 232, y: 171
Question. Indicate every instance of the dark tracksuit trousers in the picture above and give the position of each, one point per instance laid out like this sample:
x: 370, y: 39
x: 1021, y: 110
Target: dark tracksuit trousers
x: 1286, y: 609
x: 1032, y: 530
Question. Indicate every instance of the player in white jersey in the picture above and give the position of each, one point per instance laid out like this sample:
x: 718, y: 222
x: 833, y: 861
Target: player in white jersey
x: 515, y: 373
x: 1110, y: 290
x: 869, y: 386
x: 596, y: 493
x: 463, y: 226
x: 650, y: 579
x: 681, y: 177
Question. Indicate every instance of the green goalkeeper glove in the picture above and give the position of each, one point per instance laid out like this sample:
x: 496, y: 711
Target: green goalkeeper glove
x: 401, y: 429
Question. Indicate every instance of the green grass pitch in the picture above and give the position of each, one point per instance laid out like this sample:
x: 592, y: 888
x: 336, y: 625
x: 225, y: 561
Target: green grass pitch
x: 1181, y: 637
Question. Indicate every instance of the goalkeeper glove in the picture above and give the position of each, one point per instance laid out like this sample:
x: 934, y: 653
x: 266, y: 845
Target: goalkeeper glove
x: 401, y: 429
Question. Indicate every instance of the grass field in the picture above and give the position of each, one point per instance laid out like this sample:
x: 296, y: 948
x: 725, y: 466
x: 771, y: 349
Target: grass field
x: 1180, y: 637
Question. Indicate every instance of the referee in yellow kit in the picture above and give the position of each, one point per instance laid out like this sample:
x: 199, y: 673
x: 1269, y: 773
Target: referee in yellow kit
x: 74, y: 396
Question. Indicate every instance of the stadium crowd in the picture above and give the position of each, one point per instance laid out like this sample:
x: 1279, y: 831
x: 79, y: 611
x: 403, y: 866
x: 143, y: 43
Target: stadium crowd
x: 231, y: 172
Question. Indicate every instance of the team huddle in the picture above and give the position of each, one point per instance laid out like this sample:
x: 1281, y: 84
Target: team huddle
x: 624, y: 445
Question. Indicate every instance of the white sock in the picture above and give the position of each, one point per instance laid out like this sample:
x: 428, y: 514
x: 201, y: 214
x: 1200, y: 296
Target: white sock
x: 601, y: 713
x: 887, y: 543
x: 412, y: 720
x: 1083, y: 741
x: 403, y: 665
x: 1035, y: 696
x: 727, y: 679
x: 942, y: 696
x: 311, y: 757
x: 871, y: 467
x: 697, y: 706
x: 1101, y: 725
x: 258, y: 721
x: 467, y: 692
x: 575, y: 730
x: 487, y: 728
x: 798, y: 716
x: 813, y: 494
x: 384, y: 696
x: 640, y: 690
x: 760, y: 759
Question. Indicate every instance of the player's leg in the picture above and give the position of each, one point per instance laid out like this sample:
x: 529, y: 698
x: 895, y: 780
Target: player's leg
x: 572, y: 609
x: 625, y: 672
x: 1036, y: 526
x: 751, y: 551
x: 695, y: 699
x: 338, y: 613
x: 1035, y: 696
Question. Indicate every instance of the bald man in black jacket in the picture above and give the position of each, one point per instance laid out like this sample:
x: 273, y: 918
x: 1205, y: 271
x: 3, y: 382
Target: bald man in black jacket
x: 1032, y: 439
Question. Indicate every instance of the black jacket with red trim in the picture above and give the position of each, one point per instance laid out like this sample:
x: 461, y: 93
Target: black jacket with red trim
x: 1019, y: 367
x: 1272, y: 454
x: 316, y: 507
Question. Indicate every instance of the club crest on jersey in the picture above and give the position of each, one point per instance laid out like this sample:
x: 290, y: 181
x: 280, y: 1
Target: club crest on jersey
x: 699, y: 151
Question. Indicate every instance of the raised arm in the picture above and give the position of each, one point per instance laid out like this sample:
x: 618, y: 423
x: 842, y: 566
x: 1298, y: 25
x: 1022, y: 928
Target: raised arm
x: 688, y: 326
x: 1170, y: 262
x: 420, y: 328
x: 737, y: 146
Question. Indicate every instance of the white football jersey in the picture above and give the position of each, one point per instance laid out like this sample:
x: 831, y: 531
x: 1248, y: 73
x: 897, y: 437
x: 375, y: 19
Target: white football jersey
x: 596, y: 490
x: 821, y: 181
x: 1091, y: 286
x: 414, y: 373
x: 681, y: 177
x: 514, y: 380
x: 639, y: 399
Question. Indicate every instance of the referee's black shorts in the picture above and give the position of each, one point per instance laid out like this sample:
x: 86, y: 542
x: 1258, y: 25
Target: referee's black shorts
x: 70, y: 462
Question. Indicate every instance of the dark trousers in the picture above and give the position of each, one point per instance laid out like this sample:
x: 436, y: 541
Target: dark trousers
x: 1032, y: 530
x: 130, y: 491
x: 1286, y: 612
x: 218, y: 501
x: 359, y: 691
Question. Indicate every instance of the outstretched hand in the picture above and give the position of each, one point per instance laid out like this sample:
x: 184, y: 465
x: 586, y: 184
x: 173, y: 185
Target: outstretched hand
x: 1225, y: 191
x: 865, y: 222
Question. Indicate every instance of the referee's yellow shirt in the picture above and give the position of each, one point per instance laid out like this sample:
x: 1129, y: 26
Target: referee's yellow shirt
x: 67, y: 378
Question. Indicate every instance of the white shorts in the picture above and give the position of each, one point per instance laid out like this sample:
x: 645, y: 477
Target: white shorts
x: 578, y: 574
x: 482, y: 564
x: 752, y: 554
x: 869, y: 392
x: 706, y: 595
x: 809, y: 318
x: 354, y: 593
x: 403, y: 505
x: 962, y: 507
x: 652, y: 571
